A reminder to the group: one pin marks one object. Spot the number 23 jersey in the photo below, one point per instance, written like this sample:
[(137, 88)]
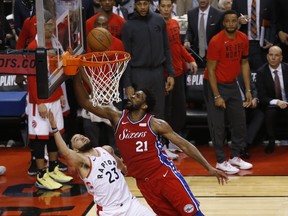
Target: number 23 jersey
[(105, 182), (139, 146)]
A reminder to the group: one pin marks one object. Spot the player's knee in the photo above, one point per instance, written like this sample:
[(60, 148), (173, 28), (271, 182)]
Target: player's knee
[(39, 146), (52, 147)]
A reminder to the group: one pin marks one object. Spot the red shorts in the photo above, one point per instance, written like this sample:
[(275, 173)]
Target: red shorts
[(168, 194)]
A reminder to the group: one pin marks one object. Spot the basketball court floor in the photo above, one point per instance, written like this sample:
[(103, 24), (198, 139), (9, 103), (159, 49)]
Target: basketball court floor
[(262, 190)]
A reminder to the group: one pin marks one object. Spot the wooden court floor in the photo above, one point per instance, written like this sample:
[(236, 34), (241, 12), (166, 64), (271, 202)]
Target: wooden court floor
[(260, 191)]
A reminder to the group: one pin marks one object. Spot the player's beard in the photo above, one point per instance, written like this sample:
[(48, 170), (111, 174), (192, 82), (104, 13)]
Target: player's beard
[(131, 107), (86, 147), (230, 30)]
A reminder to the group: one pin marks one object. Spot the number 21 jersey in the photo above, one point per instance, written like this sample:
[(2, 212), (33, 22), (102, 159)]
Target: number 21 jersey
[(139, 146)]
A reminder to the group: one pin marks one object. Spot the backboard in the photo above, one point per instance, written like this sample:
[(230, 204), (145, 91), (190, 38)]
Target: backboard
[(65, 24)]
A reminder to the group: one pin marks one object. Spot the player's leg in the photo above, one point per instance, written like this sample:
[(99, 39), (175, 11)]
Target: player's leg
[(32, 170), (237, 119), (176, 190), (152, 194), (43, 179), (53, 168), (38, 132)]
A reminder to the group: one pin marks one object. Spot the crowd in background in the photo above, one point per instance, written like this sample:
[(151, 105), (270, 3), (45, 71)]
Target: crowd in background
[(271, 30)]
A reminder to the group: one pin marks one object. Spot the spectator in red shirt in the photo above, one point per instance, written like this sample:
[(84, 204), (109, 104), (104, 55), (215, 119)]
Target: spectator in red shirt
[(117, 44), (227, 55), (115, 21), (27, 33), (175, 101)]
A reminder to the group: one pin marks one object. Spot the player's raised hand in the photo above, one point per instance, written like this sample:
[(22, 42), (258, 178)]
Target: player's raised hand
[(129, 92)]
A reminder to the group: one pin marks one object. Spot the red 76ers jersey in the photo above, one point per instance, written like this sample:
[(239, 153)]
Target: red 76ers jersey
[(139, 146)]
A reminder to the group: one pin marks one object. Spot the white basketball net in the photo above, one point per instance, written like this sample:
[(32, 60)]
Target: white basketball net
[(105, 77)]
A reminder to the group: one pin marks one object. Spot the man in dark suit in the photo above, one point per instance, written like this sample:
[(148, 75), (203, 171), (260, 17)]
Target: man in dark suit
[(212, 23), (273, 101), (265, 17), (281, 6)]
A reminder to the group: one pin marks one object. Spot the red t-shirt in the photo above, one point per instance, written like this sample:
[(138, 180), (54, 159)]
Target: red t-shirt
[(32, 85), (178, 52), (28, 33), (116, 45), (115, 24), (228, 54), (139, 146)]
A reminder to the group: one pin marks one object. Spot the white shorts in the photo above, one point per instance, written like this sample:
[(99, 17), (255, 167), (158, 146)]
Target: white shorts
[(129, 208), (41, 127)]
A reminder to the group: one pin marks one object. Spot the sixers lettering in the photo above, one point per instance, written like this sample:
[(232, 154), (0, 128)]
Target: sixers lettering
[(126, 134), (138, 139)]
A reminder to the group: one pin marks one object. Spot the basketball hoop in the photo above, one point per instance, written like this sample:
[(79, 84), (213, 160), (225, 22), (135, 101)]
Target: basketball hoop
[(103, 70)]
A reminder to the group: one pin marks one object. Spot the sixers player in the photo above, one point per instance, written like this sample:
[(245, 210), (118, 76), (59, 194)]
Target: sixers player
[(100, 169), (138, 139)]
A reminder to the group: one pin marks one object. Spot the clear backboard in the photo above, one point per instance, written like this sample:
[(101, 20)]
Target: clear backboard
[(64, 20)]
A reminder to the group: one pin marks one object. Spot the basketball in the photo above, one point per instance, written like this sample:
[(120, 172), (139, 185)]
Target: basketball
[(99, 39)]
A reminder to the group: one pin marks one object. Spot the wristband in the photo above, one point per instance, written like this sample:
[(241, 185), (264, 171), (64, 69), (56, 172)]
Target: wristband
[(249, 90), (216, 97), (54, 130)]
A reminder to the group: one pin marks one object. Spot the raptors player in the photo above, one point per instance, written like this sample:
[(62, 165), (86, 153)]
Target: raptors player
[(100, 169), (138, 138)]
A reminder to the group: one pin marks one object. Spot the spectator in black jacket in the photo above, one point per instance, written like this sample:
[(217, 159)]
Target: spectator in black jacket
[(281, 6), (212, 21), (145, 37)]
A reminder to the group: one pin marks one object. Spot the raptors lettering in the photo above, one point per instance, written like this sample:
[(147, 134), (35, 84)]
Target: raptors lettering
[(107, 170)]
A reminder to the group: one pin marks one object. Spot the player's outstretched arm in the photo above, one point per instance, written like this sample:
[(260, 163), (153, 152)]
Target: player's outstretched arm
[(84, 101), (72, 157), (163, 128)]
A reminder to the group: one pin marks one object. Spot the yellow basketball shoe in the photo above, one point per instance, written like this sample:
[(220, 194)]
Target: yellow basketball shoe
[(59, 176), (47, 183)]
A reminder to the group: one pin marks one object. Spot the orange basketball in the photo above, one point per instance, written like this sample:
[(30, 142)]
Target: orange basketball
[(99, 39)]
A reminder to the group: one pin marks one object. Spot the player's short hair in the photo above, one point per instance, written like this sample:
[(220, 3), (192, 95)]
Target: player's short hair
[(172, 1), (229, 12), (150, 100)]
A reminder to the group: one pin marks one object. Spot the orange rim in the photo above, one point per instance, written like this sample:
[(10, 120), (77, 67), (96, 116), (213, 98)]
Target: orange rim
[(72, 62)]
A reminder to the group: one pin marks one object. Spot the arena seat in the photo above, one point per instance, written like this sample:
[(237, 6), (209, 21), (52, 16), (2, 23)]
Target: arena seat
[(12, 115), (196, 110)]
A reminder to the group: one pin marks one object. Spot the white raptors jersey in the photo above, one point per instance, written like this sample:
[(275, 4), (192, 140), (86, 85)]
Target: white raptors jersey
[(105, 182)]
